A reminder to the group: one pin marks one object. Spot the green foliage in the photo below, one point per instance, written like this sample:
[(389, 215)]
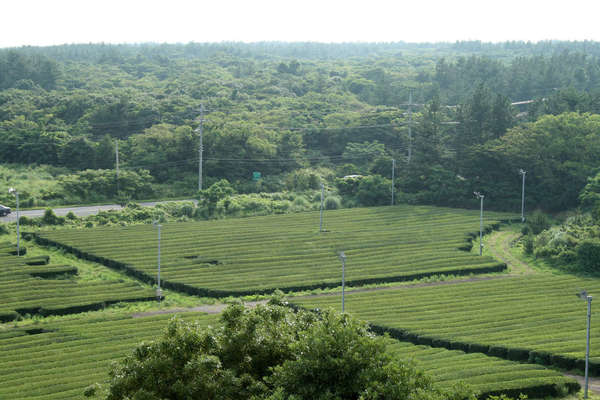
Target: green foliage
[(528, 244), (302, 179), (50, 218), (101, 185), (278, 108), (588, 254), (374, 190), (589, 197), (270, 352), (219, 191), (538, 222), (332, 203)]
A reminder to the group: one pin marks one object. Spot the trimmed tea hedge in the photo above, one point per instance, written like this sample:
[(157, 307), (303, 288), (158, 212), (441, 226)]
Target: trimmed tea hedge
[(57, 360), (260, 254), (536, 319), (29, 286)]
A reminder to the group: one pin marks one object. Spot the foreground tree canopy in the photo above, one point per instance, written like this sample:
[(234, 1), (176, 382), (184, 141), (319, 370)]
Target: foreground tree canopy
[(270, 352)]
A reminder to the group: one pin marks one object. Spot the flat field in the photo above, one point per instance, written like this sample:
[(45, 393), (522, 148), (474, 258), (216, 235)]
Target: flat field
[(537, 318), (260, 254), (59, 359)]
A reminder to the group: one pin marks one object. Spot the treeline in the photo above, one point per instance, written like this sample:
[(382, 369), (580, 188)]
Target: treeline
[(277, 108)]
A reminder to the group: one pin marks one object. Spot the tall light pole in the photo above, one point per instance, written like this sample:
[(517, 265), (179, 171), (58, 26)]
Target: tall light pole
[(480, 196), (393, 176), (343, 258), (200, 146), (158, 291), (15, 192), (321, 216), (584, 296), (523, 172)]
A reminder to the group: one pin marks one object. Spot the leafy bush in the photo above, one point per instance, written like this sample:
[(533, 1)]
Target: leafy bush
[(332, 203), (302, 179), (538, 222), (374, 190), (50, 218), (588, 254), (101, 184), (528, 244)]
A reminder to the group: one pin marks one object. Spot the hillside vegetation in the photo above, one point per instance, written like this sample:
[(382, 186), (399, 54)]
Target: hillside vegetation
[(299, 109)]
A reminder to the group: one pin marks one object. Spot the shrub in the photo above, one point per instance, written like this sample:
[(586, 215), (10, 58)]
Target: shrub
[(374, 190), (332, 203), (528, 244), (538, 222), (50, 218), (588, 254)]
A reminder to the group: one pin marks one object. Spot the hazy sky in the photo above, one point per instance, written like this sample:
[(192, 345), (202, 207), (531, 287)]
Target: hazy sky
[(47, 22)]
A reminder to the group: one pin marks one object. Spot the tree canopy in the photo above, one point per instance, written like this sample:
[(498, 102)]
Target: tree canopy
[(270, 352)]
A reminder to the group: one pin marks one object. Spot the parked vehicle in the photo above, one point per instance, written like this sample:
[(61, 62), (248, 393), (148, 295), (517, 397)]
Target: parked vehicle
[(4, 210)]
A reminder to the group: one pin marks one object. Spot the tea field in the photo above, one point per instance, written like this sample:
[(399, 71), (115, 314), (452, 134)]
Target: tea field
[(31, 286), (537, 318), (261, 254), (59, 359)]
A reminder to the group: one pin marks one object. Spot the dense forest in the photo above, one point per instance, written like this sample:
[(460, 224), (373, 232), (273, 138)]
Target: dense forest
[(455, 117)]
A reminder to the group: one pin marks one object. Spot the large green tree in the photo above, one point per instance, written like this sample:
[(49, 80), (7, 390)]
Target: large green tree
[(274, 353)]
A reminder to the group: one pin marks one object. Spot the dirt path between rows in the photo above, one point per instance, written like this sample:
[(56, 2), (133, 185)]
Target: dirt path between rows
[(208, 309), (499, 244)]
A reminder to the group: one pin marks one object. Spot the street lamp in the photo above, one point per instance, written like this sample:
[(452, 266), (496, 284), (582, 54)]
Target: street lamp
[(343, 258), (15, 192), (523, 172), (321, 214), (158, 291), (584, 296), (480, 196)]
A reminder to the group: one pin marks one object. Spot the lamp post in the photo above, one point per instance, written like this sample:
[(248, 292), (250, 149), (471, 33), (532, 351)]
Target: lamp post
[(158, 291), (15, 192), (393, 176), (523, 173), (480, 196), (321, 213), (343, 258), (584, 296)]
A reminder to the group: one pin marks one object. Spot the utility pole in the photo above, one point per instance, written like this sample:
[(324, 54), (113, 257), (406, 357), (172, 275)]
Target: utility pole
[(523, 172), (393, 175), (321, 217), (15, 193), (117, 162), (480, 196), (200, 146), (343, 258), (410, 104), (158, 291), (587, 347), (584, 296)]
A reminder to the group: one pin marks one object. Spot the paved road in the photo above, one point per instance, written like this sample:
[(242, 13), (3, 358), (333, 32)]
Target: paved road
[(79, 211)]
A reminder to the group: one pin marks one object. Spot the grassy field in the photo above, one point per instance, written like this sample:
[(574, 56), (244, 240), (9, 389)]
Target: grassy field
[(49, 289), (58, 359), (537, 318), (260, 254)]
